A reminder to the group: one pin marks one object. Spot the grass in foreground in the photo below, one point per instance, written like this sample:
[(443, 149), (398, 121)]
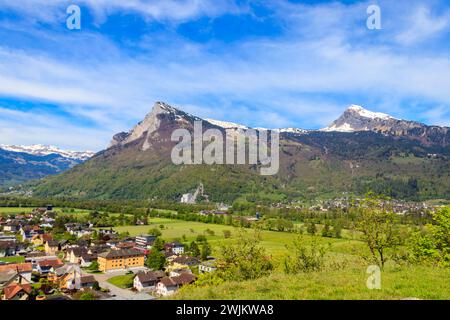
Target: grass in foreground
[(396, 283)]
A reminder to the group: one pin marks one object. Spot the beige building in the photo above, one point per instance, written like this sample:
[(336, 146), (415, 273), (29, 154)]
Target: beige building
[(120, 259)]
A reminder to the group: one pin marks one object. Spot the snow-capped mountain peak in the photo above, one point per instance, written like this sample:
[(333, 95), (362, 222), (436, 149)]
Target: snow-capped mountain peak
[(43, 150), (369, 114), (356, 118), (226, 125)]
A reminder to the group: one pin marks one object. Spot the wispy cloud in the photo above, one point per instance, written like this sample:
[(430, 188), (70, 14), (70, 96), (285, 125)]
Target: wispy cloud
[(323, 60)]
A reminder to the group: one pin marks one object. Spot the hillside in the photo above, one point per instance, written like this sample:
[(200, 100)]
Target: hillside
[(417, 282), (399, 158)]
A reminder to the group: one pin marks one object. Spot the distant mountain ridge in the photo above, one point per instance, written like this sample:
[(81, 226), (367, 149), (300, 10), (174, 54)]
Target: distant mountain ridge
[(19, 164), (44, 150), (400, 158)]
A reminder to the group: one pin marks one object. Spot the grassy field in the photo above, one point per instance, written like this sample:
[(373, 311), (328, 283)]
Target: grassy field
[(15, 259), (124, 282), (344, 277), (274, 242), (59, 211)]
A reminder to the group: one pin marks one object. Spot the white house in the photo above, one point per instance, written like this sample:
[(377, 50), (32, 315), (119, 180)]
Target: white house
[(169, 285), (147, 280)]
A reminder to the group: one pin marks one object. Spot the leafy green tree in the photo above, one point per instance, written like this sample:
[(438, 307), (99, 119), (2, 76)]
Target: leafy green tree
[(433, 243), (244, 259), (158, 244), (326, 232), (337, 230), (94, 266), (194, 250), (156, 260), (302, 258), (311, 228), (378, 227), (205, 250), (155, 232), (226, 234)]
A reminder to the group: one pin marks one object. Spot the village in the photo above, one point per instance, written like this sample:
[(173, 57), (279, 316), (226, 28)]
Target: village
[(35, 264)]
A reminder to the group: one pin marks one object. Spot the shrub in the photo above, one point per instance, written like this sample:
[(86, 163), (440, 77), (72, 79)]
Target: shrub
[(304, 259)]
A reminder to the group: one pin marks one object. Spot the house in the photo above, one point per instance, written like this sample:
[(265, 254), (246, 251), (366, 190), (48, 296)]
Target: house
[(107, 232), (40, 239), (68, 277), (74, 254), (12, 226), (145, 241), (87, 281), (179, 272), (7, 237), (147, 280), (47, 266), (9, 272), (87, 259), (27, 232), (207, 266), (174, 247), (17, 291), (186, 261), (120, 259), (8, 248), (51, 247), (168, 285)]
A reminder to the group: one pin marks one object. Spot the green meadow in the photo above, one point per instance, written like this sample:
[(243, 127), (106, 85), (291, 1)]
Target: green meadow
[(344, 276)]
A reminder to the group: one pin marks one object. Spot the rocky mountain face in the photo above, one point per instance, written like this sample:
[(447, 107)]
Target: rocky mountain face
[(360, 151), (22, 163)]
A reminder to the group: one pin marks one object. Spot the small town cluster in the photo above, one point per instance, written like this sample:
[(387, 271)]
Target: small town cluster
[(37, 266)]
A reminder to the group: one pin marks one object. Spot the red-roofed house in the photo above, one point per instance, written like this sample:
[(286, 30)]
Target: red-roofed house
[(16, 291), (46, 266)]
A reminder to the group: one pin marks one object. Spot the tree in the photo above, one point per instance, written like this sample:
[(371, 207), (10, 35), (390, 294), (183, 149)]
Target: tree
[(337, 230), (205, 250), (326, 232), (226, 234), (194, 249), (96, 286), (155, 232), (433, 243), (244, 259), (304, 259), (378, 228), (158, 244), (94, 266), (311, 228), (156, 260)]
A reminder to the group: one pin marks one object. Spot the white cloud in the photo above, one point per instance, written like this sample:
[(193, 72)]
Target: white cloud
[(161, 10), (278, 82)]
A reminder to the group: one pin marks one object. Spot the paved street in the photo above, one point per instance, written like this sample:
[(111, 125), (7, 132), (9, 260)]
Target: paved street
[(119, 293)]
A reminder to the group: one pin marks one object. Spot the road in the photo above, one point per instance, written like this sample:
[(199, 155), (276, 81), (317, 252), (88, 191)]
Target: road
[(119, 293)]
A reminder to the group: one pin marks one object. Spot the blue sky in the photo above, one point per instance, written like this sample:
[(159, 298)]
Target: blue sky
[(260, 63)]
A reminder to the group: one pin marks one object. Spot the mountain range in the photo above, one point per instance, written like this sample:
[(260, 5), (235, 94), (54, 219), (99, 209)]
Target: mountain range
[(22, 163), (361, 151)]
